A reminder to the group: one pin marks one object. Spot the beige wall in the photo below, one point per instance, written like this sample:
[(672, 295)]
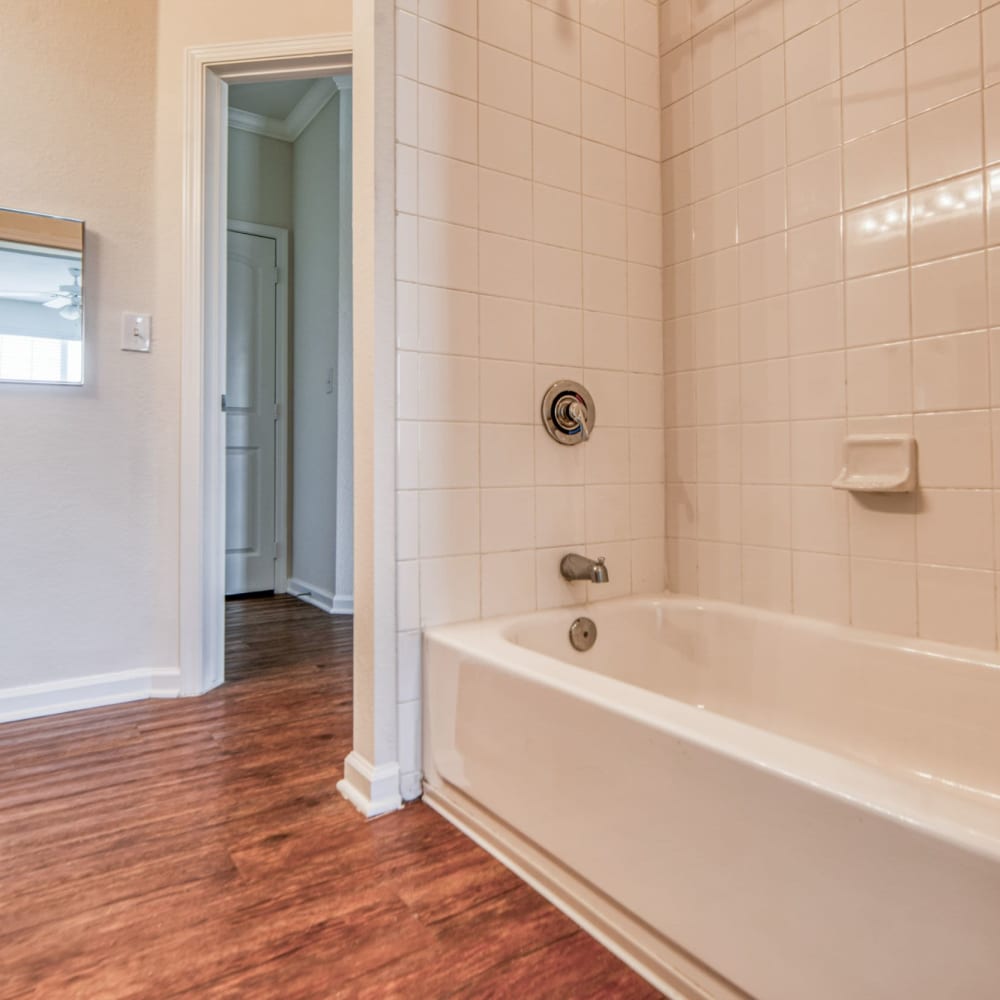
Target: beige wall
[(88, 517), (92, 120), (831, 234)]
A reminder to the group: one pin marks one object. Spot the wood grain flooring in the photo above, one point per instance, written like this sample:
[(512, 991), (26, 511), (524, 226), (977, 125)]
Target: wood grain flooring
[(198, 848)]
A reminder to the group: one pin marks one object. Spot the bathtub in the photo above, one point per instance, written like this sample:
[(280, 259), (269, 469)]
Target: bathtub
[(738, 803)]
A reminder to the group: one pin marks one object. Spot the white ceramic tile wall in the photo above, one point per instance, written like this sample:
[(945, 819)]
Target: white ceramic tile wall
[(529, 249), (831, 185)]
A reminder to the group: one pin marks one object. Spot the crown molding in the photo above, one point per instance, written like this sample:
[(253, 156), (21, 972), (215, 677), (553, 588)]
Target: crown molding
[(311, 104), (247, 121), (299, 118)]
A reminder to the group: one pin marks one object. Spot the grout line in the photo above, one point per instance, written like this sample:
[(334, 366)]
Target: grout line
[(844, 272), (915, 499), (990, 347)]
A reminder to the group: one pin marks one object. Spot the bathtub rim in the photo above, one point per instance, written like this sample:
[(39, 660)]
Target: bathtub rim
[(965, 823)]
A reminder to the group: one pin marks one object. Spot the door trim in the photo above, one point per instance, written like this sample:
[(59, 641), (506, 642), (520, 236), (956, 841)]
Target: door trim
[(209, 72), (282, 424)]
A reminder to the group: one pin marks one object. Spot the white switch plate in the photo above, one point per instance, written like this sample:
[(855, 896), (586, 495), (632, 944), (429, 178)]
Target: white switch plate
[(137, 331)]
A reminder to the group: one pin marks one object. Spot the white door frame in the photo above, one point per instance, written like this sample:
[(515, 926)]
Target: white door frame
[(281, 423), (371, 770)]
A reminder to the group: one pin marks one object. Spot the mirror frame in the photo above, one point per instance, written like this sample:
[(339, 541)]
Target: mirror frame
[(56, 232)]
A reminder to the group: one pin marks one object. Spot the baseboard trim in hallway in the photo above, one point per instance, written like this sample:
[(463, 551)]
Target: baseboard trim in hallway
[(332, 604)]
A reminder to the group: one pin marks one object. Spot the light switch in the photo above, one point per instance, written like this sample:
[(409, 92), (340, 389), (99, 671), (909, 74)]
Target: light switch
[(137, 331)]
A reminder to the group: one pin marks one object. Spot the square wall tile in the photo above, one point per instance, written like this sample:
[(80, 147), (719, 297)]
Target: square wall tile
[(884, 596), (758, 28), (875, 97), (878, 308), (508, 519), (767, 578), (821, 586), (870, 30), (957, 605), (449, 590), (924, 17), (449, 522), (508, 583), (802, 14), (958, 48), (947, 219), (950, 295), (876, 238), (814, 123), (946, 141), (879, 380), (813, 58), (507, 26), (951, 372), (956, 449), (952, 527), (883, 526), (875, 166), (814, 188)]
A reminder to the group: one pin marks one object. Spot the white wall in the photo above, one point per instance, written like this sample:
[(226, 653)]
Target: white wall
[(315, 417), (260, 179), (345, 363)]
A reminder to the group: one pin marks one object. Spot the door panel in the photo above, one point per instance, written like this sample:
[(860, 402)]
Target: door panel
[(243, 482), (250, 399)]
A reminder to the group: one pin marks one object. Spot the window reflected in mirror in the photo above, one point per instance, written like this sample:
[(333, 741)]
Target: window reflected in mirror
[(41, 299)]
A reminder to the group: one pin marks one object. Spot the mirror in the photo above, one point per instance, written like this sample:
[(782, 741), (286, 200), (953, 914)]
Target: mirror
[(41, 299)]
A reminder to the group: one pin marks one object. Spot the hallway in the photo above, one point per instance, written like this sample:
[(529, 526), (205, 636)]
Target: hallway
[(199, 848)]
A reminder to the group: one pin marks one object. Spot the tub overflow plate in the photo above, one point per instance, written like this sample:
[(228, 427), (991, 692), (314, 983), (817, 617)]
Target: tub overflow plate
[(582, 634)]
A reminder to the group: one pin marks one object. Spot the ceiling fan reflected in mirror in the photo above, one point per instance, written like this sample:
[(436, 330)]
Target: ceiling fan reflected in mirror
[(69, 297)]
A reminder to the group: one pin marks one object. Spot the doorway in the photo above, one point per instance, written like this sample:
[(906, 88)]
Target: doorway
[(288, 397)]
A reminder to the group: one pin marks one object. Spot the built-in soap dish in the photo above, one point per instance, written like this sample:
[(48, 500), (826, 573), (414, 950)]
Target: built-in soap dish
[(879, 463)]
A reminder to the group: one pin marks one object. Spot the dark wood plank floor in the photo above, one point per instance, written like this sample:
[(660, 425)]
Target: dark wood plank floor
[(198, 848)]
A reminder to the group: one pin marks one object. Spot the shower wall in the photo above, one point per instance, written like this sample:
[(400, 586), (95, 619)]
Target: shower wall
[(831, 183), (529, 242)]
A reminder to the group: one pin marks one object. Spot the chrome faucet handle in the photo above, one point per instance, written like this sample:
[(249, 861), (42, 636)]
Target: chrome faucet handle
[(576, 412), (568, 412)]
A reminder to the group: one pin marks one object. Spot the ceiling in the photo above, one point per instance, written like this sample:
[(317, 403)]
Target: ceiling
[(270, 100)]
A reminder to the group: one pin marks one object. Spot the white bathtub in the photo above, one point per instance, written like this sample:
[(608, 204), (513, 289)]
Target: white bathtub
[(736, 802)]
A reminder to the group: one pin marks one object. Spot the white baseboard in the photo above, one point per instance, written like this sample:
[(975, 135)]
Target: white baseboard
[(411, 786), (31, 701), (332, 604), (316, 596), (372, 790), (343, 604), (675, 973)]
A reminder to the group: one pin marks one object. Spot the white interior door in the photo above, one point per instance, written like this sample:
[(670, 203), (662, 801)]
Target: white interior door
[(250, 414)]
